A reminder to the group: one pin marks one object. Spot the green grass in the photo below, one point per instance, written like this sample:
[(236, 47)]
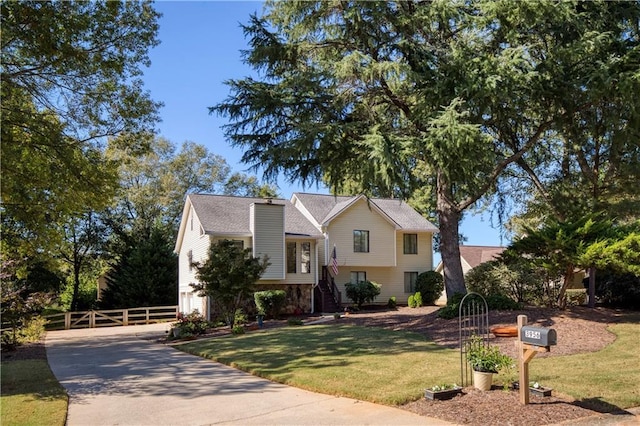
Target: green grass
[(605, 379), (364, 363), (31, 395), (393, 368)]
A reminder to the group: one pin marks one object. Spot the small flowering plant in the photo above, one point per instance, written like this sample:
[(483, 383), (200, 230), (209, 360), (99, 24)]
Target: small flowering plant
[(443, 386)]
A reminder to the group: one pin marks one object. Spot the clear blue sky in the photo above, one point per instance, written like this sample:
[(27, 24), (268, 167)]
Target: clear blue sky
[(200, 49)]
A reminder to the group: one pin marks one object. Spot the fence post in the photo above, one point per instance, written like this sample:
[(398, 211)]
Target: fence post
[(146, 311), (67, 320), (92, 319), (125, 317)]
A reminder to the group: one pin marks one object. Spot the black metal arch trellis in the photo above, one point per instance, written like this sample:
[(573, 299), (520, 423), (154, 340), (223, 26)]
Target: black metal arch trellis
[(473, 319)]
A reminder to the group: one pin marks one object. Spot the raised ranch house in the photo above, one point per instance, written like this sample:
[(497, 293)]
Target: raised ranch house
[(381, 240)]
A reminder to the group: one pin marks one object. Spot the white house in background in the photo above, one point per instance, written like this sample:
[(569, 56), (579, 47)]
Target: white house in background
[(382, 240)]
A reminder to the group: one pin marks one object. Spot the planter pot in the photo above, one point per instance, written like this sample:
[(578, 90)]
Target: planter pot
[(505, 331), (482, 380), (541, 391), (442, 394)]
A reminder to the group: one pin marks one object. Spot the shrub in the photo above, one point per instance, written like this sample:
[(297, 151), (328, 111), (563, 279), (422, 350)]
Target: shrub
[(502, 303), (453, 306), (33, 331), (190, 324), (295, 321), (576, 297), (430, 284), (270, 302), (362, 292), (618, 290), (237, 329), (418, 299), (412, 301), (392, 304)]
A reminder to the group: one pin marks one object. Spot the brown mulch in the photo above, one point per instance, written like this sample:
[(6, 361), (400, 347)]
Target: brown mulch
[(579, 330), (26, 351)]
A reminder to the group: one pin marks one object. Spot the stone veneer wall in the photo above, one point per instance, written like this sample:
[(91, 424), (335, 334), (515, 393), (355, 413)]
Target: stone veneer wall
[(298, 296)]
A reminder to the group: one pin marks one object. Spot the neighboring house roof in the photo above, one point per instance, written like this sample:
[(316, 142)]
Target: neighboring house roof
[(324, 208), (221, 214), (475, 255)]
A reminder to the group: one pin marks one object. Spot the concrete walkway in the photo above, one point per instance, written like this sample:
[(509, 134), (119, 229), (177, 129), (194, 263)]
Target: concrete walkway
[(119, 376)]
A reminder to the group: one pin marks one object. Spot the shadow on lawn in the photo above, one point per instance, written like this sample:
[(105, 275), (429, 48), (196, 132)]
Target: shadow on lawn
[(598, 405)]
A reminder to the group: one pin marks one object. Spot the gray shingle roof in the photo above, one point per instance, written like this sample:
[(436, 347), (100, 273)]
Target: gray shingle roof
[(324, 207), (221, 214)]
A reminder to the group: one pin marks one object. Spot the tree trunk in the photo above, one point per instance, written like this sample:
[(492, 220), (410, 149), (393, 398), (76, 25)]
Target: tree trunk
[(592, 287), (449, 221), (76, 286)]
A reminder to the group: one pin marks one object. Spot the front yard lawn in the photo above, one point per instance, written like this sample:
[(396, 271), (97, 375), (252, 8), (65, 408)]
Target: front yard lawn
[(31, 395), (372, 364), (394, 367)]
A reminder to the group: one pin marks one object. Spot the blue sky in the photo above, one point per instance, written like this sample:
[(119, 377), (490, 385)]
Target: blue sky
[(200, 49)]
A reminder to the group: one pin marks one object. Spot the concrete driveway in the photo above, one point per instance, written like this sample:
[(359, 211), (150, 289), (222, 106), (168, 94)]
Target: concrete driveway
[(120, 376)]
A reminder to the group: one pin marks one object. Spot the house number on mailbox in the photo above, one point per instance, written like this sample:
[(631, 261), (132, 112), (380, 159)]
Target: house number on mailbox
[(532, 334)]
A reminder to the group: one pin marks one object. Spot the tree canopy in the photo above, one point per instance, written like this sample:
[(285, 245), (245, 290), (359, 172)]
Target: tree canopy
[(443, 97), (228, 277), (70, 78)]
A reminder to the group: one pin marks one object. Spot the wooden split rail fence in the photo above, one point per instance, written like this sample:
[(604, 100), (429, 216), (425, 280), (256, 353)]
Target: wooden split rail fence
[(111, 317)]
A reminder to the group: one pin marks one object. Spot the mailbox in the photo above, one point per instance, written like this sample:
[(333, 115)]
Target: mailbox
[(538, 336)]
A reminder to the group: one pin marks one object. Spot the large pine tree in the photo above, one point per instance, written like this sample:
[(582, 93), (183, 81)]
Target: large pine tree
[(391, 97)]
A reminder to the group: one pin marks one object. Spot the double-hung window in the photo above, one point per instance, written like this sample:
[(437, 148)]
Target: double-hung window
[(358, 276), (410, 243), (360, 241), (410, 279)]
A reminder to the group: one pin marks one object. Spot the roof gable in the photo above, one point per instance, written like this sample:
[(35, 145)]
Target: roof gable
[(324, 208), (229, 215), (475, 255)]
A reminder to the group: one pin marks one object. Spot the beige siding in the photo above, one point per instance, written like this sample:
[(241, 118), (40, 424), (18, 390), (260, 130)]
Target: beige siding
[(267, 226), (198, 243), (381, 237), (392, 278)]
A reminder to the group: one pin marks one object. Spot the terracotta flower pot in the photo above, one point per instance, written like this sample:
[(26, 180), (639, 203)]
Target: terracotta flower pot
[(482, 380)]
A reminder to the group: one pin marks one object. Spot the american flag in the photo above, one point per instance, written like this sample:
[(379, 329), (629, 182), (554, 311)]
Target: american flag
[(334, 261)]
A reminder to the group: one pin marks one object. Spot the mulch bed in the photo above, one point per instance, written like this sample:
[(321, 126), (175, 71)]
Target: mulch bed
[(580, 330)]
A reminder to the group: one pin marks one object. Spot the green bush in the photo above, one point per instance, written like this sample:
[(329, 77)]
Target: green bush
[(392, 304), (295, 321), (418, 299), (576, 297), (412, 301), (237, 329), (620, 290), (191, 324), (362, 292), (451, 310), (270, 302), (33, 331), (430, 284), (502, 302)]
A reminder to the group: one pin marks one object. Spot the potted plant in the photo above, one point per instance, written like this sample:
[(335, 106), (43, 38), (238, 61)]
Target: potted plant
[(485, 360), (443, 391)]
